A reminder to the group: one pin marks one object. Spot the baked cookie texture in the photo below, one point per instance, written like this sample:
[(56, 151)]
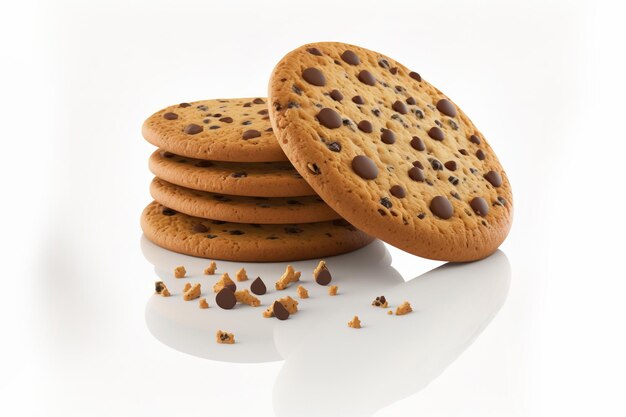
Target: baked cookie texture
[(389, 152), (241, 209), (264, 179), (248, 242), (236, 130)]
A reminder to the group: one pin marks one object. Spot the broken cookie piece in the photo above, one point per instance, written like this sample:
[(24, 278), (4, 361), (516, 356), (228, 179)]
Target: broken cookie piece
[(180, 272), (289, 276), (161, 289), (404, 308), (380, 302), (321, 274), (332, 290), (244, 297), (289, 303), (202, 303), (241, 275), (355, 323), (210, 270), (224, 281), (192, 292), (224, 338), (302, 292)]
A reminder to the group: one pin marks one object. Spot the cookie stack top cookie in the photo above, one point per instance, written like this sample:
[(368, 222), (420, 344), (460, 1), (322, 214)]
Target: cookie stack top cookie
[(389, 152)]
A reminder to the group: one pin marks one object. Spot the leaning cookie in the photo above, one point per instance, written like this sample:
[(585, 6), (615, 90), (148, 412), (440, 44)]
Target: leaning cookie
[(236, 130), (248, 242), (389, 152)]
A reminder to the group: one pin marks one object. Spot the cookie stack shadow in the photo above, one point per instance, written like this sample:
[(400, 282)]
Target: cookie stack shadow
[(223, 189)]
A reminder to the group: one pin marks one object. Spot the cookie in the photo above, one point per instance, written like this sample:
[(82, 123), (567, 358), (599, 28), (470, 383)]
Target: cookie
[(389, 152), (240, 209), (255, 179), (236, 130), (248, 242)]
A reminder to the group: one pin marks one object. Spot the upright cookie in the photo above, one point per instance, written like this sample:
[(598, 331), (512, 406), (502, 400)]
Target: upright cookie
[(389, 152), (236, 130), (248, 242), (254, 179), (239, 209)]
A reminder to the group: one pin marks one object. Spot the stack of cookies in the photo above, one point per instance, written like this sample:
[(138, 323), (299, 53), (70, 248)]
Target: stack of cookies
[(348, 138), (224, 188)]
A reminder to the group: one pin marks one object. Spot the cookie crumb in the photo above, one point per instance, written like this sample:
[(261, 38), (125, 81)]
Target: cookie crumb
[(224, 281), (161, 289), (202, 303), (390, 312), (224, 338), (355, 323), (302, 292), (244, 296), (289, 276), (380, 302), (241, 275), (186, 287), (289, 303), (180, 272), (321, 274), (332, 290), (404, 308), (321, 265), (192, 293), (210, 270)]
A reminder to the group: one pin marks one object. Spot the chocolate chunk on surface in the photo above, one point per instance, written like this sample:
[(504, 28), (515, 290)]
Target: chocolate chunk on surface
[(225, 298)]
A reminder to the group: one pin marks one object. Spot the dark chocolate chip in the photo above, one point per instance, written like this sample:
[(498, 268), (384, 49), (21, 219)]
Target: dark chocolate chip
[(202, 107), (387, 136), (366, 77), (358, 100), (280, 312), (453, 180), (264, 111), (393, 70), (376, 112), (437, 166), (417, 144), (159, 287), (250, 134), (455, 195), (314, 76), (200, 228), (480, 155), (475, 139), (494, 178), (183, 105), (418, 164), (329, 118), (446, 107), (211, 236), (258, 286), (441, 207), (170, 116), (226, 119), (336, 95), (168, 211), (365, 126), (323, 277), (193, 129), (350, 57), (364, 167), (258, 101), (436, 133), (292, 230), (296, 89), (416, 174), (410, 101), (314, 51), (225, 298), (415, 76), (204, 164), (400, 107), (397, 191), (480, 206), (236, 232), (383, 63), (386, 202), (463, 152), (451, 165), (334, 146)]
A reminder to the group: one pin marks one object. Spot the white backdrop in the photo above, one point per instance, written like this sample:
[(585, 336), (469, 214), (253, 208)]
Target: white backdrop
[(543, 80)]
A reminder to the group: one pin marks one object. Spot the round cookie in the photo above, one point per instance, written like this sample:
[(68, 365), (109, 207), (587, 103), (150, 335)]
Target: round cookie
[(248, 242), (253, 179), (389, 152), (236, 130), (240, 209)]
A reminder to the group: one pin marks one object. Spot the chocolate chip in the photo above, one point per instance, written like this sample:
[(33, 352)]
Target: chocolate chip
[(415, 76), (323, 277), (494, 178), (334, 146), (159, 286), (388, 137), (417, 144), (421, 216), (463, 152), (193, 129), (400, 107), (204, 164), (258, 101), (364, 167), (455, 195), (475, 139), (336, 95), (436, 133), (365, 126), (410, 101), (416, 174), (441, 207), (501, 201), (296, 89), (437, 166), (246, 123), (314, 76), (366, 77), (376, 112), (239, 174), (250, 134), (292, 230), (453, 124), (451, 165), (350, 57), (329, 118), (386, 202), (480, 155), (226, 119), (168, 211), (183, 105), (418, 164), (397, 191), (358, 100), (258, 286), (280, 312), (446, 107), (418, 113), (313, 168), (200, 228), (314, 51), (170, 116), (202, 107), (236, 232), (480, 206), (264, 111), (214, 127), (225, 298), (453, 180), (211, 236)]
